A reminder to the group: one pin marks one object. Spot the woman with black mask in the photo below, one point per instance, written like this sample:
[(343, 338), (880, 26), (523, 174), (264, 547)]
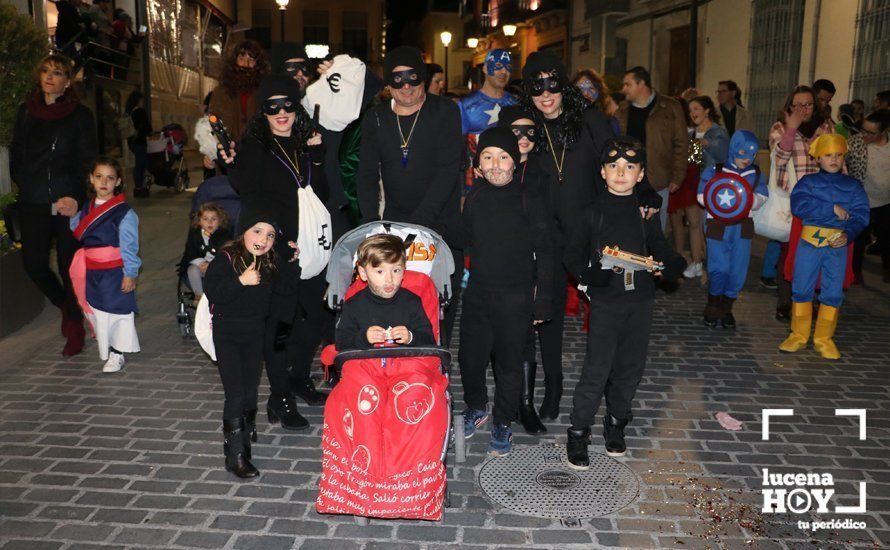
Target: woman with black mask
[(53, 144), (572, 140), (280, 153)]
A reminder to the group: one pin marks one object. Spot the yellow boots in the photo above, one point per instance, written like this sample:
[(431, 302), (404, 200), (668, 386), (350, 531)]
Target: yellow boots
[(802, 320), (826, 323)]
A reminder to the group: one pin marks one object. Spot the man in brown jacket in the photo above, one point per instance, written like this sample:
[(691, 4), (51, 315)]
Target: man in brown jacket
[(659, 122)]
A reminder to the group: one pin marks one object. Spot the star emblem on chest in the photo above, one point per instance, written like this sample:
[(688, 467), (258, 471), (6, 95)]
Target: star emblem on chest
[(493, 114)]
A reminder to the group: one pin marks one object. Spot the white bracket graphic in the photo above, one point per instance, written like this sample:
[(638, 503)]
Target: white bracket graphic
[(765, 422), (854, 509), (854, 412)]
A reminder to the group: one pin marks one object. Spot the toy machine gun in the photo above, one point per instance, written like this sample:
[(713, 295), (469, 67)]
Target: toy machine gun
[(616, 258)]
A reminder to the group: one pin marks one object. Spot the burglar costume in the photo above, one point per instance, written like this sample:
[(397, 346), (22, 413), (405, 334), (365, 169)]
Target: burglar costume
[(620, 306), (813, 200), (729, 242)]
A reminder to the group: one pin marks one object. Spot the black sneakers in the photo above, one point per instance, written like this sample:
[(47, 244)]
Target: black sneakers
[(613, 433), (576, 448)]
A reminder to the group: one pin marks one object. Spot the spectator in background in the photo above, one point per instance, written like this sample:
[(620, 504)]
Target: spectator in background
[(799, 124), (824, 91), (138, 143), (435, 79), (858, 111), (881, 101), (69, 27), (734, 115), (659, 122), (846, 121), (596, 92), (869, 162)]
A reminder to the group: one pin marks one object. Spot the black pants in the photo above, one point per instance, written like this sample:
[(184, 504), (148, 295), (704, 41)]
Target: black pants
[(239, 354), (140, 161), (494, 324), (617, 344), (456, 288), (40, 231), (550, 333), (311, 322)]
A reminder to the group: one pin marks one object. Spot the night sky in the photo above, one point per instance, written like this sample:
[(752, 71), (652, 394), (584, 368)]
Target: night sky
[(402, 14)]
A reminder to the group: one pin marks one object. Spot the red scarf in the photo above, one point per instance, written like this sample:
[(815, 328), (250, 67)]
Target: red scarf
[(64, 105)]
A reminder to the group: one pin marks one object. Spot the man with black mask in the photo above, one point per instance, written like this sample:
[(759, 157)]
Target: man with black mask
[(414, 144), (289, 58)]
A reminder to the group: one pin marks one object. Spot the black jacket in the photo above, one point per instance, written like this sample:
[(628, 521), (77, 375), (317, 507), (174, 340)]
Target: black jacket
[(365, 310), (582, 181), (426, 190), (195, 247), (50, 159), (616, 221), (259, 174)]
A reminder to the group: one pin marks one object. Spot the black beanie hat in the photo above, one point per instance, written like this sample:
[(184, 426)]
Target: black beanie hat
[(544, 62), (409, 56), (256, 211), (282, 51), (502, 138), (277, 84), (510, 114)]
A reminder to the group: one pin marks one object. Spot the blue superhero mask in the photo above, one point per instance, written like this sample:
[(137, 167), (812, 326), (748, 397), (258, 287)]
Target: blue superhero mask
[(498, 59), (743, 145)]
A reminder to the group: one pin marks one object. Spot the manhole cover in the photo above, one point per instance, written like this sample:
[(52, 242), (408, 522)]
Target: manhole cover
[(537, 481)]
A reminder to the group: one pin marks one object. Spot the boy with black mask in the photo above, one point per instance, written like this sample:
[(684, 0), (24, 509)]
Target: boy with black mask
[(621, 298)]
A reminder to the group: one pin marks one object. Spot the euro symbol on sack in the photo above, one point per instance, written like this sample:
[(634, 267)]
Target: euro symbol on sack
[(323, 240), (334, 82)]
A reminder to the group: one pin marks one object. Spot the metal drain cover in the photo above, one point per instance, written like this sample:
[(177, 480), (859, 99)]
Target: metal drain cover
[(537, 481)]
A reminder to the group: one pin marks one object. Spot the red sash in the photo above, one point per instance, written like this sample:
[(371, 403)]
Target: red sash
[(95, 213)]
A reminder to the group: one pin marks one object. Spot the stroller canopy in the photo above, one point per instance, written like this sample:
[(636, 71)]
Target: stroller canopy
[(426, 251)]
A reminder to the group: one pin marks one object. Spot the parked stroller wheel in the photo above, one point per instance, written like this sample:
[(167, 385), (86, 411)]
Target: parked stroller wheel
[(185, 330), (182, 182)]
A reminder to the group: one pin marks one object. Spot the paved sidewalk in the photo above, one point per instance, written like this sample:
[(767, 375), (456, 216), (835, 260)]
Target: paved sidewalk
[(135, 459)]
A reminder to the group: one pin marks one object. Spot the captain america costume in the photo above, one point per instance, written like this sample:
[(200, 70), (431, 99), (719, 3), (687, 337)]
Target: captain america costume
[(478, 111)]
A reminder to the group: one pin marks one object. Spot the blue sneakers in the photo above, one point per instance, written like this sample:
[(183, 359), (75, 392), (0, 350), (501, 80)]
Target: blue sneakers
[(501, 440), (473, 418)]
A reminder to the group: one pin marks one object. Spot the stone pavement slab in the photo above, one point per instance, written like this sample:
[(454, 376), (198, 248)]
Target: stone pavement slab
[(134, 459)]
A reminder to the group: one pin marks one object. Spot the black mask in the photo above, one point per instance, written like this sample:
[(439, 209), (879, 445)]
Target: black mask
[(526, 130), (397, 79), (546, 84), (271, 107), (293, 67)]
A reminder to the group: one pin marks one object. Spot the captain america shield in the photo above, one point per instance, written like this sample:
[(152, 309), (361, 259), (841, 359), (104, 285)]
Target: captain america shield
[(728, 197)]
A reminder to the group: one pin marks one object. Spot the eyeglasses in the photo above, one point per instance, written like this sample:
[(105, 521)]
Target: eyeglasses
[(803, 105)]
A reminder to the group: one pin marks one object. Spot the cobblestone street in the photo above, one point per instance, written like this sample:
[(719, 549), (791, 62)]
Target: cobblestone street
[(135, 459)]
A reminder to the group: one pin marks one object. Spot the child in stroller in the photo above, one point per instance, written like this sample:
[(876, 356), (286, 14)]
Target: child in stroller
[(166, 163), (217, 191), (387, 421), (208, 234)]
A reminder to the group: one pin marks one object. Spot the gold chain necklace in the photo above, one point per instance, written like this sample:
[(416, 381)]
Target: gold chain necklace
[(562, 160), (404, 145), (294, 163)]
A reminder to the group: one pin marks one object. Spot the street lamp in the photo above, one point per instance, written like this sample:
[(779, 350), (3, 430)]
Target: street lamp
[(509, 30), (282, 6), (472, 43), (445, 36)]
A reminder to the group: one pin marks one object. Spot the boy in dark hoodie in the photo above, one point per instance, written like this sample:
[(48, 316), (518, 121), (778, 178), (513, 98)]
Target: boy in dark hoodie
[(621, 299), (507, 227)]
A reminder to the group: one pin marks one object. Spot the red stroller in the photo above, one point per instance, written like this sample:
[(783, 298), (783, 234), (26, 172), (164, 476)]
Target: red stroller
[(387, 422), (166, 161)]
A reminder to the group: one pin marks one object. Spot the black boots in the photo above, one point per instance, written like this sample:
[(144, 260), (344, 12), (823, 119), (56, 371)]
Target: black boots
[(283, 408), (305, 390), (552, 394), (527, 415), (576, 448), (727, 319), (712, 310), (613, 433), (237, 447), (250, 428)]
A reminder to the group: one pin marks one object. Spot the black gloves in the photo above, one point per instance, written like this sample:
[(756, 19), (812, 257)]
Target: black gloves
[(317, 153), (595, 275)]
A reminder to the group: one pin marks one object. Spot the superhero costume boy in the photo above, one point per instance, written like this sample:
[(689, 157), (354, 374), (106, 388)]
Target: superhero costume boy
[(833, 210)]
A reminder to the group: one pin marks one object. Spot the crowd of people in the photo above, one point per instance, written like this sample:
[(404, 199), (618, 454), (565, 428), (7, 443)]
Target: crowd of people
[(537, 192)]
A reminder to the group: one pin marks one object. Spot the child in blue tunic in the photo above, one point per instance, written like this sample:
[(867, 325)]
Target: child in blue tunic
[(105, 269), (833, 208)]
